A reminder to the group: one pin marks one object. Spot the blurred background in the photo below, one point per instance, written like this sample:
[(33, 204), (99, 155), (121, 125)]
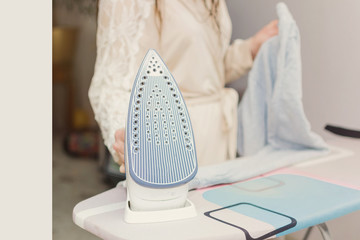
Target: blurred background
[(82, 167), (330, 36)]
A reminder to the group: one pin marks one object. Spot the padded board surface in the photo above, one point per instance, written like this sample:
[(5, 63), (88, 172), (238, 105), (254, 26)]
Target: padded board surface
[(287, 202), (327, 188)]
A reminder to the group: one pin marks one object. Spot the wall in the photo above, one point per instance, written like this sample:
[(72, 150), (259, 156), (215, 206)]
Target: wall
[(330, 37)]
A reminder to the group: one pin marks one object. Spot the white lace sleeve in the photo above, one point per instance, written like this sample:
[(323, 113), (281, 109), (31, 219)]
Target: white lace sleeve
[(120, 27)]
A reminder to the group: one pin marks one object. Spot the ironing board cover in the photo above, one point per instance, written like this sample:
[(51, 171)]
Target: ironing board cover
[(273, 205)]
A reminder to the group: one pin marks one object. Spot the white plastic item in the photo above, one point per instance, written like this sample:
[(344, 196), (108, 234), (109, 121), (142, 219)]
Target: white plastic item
[(150, 199), (188, 211)]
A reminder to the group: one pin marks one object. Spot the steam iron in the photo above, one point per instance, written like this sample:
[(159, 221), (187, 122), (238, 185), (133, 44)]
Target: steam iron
[(160, 155)]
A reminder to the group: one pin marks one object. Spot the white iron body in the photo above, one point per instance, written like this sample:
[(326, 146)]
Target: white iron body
[(154, 199), (146, 205)]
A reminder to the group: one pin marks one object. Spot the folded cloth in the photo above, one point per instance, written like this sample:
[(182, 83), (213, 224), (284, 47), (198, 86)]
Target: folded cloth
[(273, 131)]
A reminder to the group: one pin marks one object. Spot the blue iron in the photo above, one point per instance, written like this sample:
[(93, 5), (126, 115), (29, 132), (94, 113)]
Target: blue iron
[(160, 155)]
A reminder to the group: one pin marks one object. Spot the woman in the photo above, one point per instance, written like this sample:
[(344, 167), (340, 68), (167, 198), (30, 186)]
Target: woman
[(193, 38)]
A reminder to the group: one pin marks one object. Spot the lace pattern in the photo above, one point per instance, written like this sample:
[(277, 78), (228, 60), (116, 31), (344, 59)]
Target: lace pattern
[(120, 26)]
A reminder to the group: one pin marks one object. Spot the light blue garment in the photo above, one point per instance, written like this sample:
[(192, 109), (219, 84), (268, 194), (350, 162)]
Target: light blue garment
[(271, 111), (273, 131)]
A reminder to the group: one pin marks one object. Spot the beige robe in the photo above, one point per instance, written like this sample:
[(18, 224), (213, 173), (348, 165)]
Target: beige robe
[(197, 54)]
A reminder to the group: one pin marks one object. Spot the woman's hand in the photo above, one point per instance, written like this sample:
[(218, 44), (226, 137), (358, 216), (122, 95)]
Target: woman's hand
[(119, 147), (264, 34)]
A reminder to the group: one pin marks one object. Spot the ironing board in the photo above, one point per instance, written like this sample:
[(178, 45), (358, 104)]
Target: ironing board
[(271, 205)]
